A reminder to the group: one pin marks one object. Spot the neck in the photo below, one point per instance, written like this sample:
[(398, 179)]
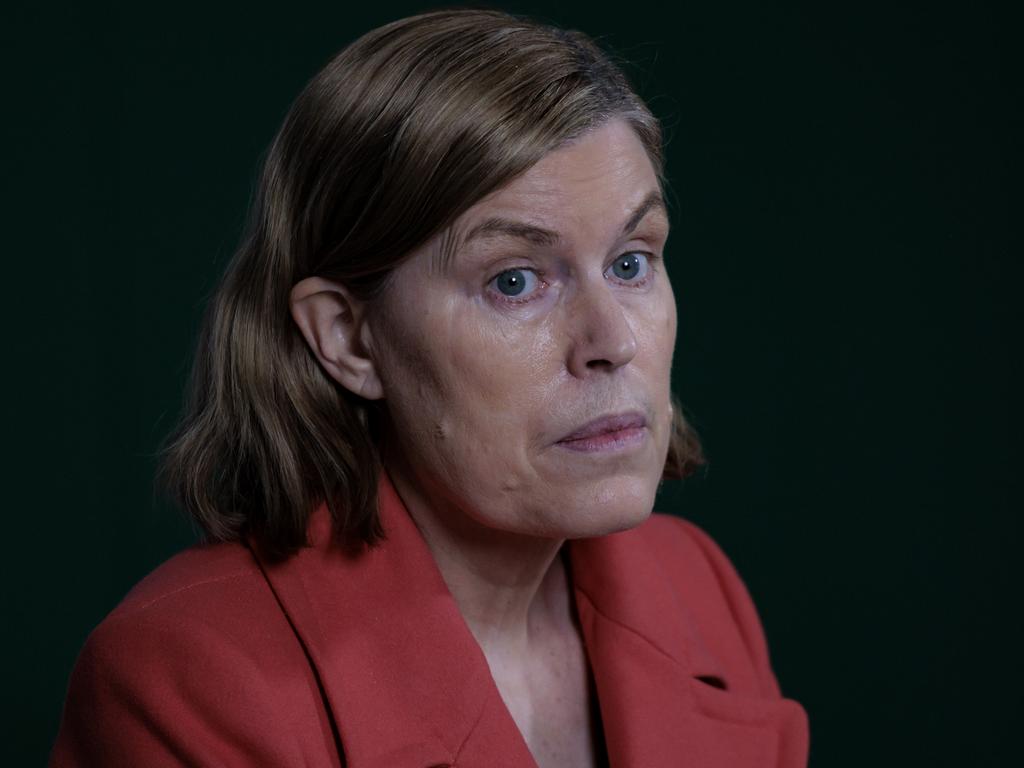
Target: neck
[(511, 589)]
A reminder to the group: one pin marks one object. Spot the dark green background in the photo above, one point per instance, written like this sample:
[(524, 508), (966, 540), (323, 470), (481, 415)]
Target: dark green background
[(847, 257)]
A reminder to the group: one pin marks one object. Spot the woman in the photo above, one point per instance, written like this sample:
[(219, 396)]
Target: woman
[(429, 415)]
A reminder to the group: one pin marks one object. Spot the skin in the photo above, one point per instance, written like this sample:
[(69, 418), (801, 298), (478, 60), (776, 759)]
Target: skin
[(481, 388)]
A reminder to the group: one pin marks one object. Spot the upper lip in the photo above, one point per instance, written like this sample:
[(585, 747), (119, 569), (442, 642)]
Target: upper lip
[(604, 424)]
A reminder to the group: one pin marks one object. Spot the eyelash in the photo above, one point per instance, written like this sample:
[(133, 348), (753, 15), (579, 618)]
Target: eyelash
[(652, 260)]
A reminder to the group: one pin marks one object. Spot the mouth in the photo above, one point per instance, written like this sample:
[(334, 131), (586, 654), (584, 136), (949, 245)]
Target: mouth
[(607, 433)]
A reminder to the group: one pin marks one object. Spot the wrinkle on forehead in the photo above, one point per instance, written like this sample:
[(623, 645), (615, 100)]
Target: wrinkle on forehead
[(571, 170)]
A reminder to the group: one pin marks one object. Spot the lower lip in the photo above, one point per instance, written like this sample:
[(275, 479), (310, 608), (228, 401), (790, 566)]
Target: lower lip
[(619, 440)]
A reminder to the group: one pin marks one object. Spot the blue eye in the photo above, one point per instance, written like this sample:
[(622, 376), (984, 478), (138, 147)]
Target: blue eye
[(515, 283), (631, 267)]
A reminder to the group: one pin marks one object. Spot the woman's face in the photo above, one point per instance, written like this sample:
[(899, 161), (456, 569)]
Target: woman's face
[(550, 317)]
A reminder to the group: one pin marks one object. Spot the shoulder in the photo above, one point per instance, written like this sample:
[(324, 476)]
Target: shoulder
[(206, 598), (191, 581), (709, 585), (180, 671), (688, 551), (203, 598)]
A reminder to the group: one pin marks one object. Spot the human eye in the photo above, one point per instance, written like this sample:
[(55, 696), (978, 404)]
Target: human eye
[(633, 267), (516, 285)]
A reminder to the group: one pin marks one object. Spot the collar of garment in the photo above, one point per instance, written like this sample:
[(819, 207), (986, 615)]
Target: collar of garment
[(408, 685)]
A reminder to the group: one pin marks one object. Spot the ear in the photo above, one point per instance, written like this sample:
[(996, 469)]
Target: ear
[(333, 322)]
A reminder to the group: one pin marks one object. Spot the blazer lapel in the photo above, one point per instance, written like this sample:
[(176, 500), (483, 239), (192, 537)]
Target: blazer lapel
[(405, 680), (656, 681)]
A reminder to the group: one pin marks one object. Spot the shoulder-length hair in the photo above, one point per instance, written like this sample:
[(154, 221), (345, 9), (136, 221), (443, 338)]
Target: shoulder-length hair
[(386, 146)]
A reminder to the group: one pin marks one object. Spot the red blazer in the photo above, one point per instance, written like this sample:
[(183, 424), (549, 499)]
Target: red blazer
[(219, 658)]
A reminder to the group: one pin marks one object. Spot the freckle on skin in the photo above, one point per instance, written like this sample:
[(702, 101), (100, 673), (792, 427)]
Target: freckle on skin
[(439, 431)]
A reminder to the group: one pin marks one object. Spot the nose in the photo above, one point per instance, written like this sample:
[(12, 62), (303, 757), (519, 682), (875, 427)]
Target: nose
[(602, 337)]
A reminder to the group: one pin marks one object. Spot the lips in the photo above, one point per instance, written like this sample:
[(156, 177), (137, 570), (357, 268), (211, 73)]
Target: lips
[(607, 424)]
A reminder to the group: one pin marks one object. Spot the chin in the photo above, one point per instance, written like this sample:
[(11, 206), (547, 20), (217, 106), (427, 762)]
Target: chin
[(617, 504)]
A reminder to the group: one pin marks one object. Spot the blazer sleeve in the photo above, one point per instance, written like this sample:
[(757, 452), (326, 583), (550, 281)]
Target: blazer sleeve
[(741, 607), (147, 691)]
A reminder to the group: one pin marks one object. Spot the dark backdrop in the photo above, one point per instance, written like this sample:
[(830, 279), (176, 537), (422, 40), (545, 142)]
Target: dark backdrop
[(847, 257)]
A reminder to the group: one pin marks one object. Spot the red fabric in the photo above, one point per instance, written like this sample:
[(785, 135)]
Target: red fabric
[(219, 658)]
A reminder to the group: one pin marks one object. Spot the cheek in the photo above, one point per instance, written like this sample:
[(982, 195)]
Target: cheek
[(668, 314), (503, 380), (505, 371), (460, 390), (656, 342), (656, 334), (414, 391)]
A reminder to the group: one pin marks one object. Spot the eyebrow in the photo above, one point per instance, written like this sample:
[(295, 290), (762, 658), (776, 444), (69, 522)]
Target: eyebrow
[(499, 227), (649, 203)]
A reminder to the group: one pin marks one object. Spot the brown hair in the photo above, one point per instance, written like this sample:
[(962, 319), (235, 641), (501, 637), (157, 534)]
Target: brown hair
[(399, 134)]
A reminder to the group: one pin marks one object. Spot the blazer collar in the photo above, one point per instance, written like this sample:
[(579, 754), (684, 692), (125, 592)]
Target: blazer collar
[(407, 683)]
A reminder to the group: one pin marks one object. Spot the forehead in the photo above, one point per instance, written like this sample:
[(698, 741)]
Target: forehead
[(585, 189)]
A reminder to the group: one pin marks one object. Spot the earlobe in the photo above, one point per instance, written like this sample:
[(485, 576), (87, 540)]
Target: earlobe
[(332, 321)]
